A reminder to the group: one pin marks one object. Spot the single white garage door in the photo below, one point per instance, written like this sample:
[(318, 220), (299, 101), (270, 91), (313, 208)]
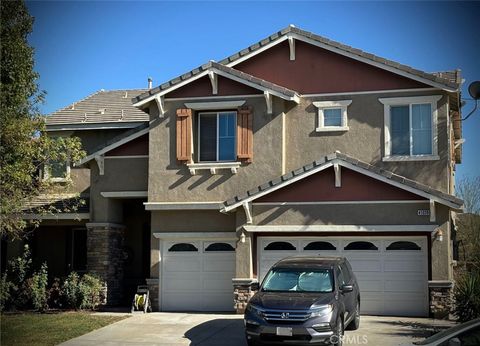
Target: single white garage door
[(197, 275), (392, 272)]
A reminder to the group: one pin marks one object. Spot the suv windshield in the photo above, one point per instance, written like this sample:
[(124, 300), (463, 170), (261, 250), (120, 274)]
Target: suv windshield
[(298, 280)]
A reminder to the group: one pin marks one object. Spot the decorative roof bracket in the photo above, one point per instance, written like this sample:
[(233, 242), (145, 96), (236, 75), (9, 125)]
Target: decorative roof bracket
[(161, 105)]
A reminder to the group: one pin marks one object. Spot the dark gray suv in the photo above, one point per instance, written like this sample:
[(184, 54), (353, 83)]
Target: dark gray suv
[(304, 300)]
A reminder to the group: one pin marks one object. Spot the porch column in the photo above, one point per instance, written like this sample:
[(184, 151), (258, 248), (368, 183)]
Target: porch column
[(105, 257), (242, 283)]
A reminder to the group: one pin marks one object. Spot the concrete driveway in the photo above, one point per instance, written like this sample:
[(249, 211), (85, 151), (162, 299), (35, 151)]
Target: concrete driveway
[(224, 329)]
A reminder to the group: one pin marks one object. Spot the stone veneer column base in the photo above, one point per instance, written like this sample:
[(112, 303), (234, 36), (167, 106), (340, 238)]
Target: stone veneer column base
[(105, 257), (242, 292), (153, 288), (441, 298)]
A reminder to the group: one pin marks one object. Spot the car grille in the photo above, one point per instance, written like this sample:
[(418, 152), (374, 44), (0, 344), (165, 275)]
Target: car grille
[(286, 315)]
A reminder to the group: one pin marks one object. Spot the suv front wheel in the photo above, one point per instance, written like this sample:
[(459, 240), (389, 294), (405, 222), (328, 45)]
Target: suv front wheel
[(337, 338), (355, 323)]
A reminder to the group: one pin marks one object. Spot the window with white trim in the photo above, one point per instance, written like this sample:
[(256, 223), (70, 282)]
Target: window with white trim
[(57, 171), (410, 128), (332, 115), (217, 136)]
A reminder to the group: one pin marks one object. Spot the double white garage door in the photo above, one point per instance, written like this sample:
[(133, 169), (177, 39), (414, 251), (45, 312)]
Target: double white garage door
[(392, 273)]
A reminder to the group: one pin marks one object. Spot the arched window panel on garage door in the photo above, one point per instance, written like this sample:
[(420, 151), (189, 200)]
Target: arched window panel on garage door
[(404, 245), (219, 247), (183, 247), (361, 245), (319, 246), (279, 246)]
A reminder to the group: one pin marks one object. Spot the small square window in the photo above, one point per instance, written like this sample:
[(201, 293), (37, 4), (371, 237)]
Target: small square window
[(332, 115), (57, 171), (217, 136)]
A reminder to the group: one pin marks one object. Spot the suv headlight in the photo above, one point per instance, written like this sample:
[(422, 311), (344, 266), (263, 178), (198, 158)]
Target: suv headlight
[(255, 310), (320, 310)]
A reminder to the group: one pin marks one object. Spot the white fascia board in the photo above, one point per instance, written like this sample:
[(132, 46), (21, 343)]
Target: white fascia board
[(276, 187), (182, 205), (93, 126), (112, 146), (344, 53), (170, 89), (201, 106), (341, 228), (280, 204), (349, 166), (196, 235), (57, 216), (398, 184), (294, 98), (124, 194)]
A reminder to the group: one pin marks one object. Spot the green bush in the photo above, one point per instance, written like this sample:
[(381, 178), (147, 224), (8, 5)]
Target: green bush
[(38, 288), (71, 291), (15, 292), (467, 297), (55, 295), (91, 288), (5, 288)]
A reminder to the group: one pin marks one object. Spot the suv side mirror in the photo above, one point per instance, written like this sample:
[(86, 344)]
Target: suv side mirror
[(346, 288), (255, 286), (454, 342)]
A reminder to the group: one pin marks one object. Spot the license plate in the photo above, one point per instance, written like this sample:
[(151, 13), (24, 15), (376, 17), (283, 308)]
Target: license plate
[(284, 331)]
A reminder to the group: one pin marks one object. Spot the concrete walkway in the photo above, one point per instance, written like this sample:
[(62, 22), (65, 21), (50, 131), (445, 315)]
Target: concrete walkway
[(224, 329)]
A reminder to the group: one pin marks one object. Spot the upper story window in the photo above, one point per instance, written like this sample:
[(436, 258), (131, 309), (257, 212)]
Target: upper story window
[(410, 128), (217, 136), (58, 171), (332, 115)]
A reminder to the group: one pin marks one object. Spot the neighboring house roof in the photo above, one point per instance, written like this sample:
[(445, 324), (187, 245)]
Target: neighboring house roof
[(115, 142), (439, 78), (224, 71), (350, 163), (446, 80), (57, 207), (113, 107)]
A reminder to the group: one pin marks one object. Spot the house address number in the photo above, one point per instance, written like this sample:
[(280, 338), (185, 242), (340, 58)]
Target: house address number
[(423, 212)]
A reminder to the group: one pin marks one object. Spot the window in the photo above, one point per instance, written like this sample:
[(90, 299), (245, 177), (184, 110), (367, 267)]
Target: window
[(360, 245), (319, 245), (182, 247), (298, 280), (346, 273), (219, 247), (332, 115), (410, 128), (57, 171), (217, 136), (403, 245), (280, 245)]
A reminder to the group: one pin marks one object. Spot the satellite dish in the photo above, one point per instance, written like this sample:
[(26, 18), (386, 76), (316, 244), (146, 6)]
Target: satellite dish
[(474, 90)]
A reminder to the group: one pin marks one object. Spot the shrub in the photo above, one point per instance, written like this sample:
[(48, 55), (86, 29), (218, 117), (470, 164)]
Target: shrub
[(55, 295), (71, 291), (38, 288), (5, 287), (467, 297), (17, 271), (91, 288)]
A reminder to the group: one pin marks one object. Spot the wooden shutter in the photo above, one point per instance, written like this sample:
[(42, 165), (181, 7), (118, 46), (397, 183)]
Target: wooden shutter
[(184, 134), (245, 133)]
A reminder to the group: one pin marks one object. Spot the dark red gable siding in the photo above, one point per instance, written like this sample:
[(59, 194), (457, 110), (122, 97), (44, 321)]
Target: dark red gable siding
[(320, 187), (137, 146), (317, 70), (203, 87)]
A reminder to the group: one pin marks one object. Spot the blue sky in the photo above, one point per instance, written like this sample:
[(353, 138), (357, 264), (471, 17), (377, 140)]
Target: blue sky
[(82, 47)]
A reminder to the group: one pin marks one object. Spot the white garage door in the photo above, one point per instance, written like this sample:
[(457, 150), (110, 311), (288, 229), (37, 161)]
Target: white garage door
[(392, 272), (197, 275)]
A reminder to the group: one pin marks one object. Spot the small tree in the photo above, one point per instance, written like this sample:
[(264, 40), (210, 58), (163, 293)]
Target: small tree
[(24, 148)]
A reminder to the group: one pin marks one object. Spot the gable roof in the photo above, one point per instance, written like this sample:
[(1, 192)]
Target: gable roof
[(223, 70), (113, 107), (437, 79), (445, 80), (115, 142), (350, 163)]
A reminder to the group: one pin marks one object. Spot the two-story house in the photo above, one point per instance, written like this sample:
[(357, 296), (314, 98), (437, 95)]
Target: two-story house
[(296, 145)]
